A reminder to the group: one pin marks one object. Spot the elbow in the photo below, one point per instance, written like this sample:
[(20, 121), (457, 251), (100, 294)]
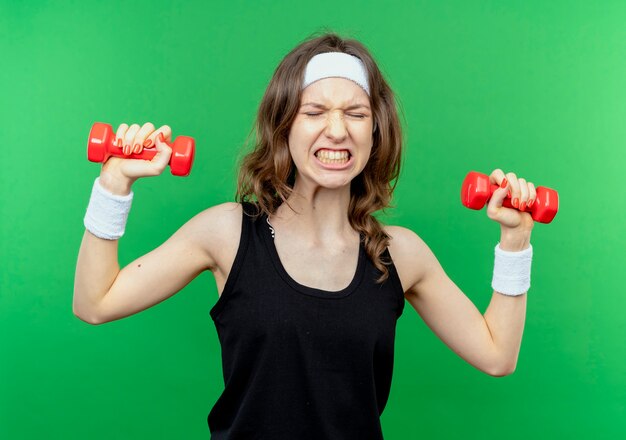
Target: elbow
[(85, 310), (86, 317), (502, 371)]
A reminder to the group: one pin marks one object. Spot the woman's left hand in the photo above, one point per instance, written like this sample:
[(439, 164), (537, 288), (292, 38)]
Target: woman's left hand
[(522, 194)]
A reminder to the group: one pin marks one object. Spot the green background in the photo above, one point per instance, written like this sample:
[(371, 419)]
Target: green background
[(532, 87)]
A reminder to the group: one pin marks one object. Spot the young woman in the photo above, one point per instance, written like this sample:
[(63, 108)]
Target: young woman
[(310, 284)]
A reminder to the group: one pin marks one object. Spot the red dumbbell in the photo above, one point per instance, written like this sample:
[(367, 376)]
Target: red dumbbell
[(477, 191), (100, 147)]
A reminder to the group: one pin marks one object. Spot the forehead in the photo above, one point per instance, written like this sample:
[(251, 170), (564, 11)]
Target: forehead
[(335, 91)]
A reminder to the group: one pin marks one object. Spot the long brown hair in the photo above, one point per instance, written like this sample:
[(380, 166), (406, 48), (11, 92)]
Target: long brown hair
[(268, 172)]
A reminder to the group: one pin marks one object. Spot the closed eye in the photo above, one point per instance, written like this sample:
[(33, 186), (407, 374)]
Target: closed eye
[(353, 115)]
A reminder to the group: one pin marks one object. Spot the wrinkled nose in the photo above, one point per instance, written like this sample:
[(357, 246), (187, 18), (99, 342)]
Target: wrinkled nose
[(336, 127)]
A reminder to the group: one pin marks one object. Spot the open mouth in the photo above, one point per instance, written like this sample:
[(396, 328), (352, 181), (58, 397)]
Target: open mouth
[(333, 157)]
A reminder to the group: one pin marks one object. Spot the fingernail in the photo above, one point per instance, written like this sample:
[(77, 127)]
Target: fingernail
[(118, 143), (515, 202), (147, 143), (126, 150), (136, 149), (523, 206), (530, 203), (161, 137), (503, 184)]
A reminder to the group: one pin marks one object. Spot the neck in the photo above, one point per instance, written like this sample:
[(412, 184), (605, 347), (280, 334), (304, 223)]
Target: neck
[(318, 215)]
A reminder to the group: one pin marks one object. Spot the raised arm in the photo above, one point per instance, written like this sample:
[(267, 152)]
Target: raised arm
[(490, 342), (447, 311), (103, 292)]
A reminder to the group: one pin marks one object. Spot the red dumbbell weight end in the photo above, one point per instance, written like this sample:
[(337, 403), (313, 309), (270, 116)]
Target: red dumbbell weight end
[(477, 191), (100, 147)]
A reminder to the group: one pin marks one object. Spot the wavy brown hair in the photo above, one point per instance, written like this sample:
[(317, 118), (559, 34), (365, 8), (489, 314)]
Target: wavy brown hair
[(267, 173)]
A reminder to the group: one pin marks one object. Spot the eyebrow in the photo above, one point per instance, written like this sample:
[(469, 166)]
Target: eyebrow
[(352, 107)]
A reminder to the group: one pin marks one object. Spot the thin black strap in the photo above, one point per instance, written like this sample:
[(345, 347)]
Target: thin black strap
[(251, 209)]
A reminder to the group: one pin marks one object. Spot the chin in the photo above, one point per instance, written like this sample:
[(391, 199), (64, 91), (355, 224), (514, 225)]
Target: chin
[(334, 182)]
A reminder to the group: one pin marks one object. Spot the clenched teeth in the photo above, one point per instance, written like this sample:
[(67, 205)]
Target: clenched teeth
[(331, 156)]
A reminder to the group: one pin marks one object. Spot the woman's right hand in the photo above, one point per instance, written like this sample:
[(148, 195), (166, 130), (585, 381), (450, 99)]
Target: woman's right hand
[(118, 174)]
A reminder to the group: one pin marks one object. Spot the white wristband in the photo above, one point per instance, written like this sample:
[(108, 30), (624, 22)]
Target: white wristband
[(511, 271), (107, 212)]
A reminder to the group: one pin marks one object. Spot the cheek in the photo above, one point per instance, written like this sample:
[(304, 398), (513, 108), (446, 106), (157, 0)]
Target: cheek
[(369, 152), (302, 137), (297, 147), (366, 143)]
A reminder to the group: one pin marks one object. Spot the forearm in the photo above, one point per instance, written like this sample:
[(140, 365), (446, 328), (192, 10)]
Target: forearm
[(96, 270), (97, 266), (505, 318), (506, 315)]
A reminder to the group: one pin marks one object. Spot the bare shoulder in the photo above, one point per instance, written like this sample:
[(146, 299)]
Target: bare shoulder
[(217, 230), (411, 256), (222, 215)]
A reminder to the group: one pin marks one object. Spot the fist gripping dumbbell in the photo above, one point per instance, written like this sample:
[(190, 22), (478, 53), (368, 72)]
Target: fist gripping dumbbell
[(100, 147), (477, 191)]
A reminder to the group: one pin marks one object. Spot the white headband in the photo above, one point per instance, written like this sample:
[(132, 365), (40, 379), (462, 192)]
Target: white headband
[(336, 64)]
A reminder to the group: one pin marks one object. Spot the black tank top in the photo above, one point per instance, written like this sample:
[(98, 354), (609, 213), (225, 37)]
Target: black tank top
[(299, 362)]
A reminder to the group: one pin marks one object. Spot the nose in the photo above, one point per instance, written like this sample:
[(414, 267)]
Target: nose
[(336, 126)]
